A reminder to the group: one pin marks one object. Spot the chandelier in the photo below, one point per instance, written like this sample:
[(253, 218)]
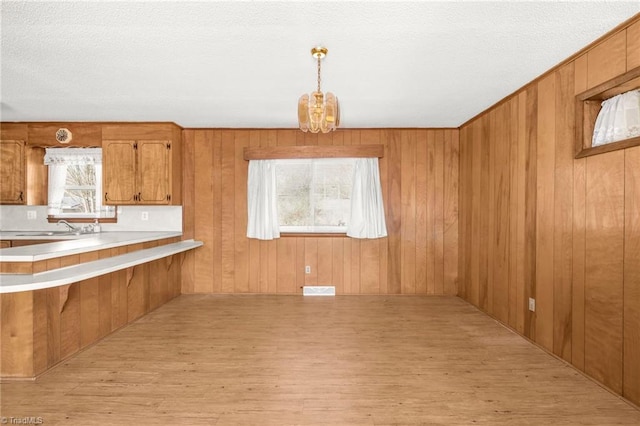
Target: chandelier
[(318, 112)]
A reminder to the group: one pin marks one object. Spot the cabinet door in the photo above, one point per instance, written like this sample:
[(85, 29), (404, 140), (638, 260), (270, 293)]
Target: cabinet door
[(12, 172), (118, 172), (154, 172)]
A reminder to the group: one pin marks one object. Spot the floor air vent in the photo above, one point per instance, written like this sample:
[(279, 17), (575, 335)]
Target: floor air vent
[(319, 290)]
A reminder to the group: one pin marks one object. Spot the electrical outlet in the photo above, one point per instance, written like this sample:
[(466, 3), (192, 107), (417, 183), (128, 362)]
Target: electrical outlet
[(144, 216), (532, 304), (31, 215), (307, 269)]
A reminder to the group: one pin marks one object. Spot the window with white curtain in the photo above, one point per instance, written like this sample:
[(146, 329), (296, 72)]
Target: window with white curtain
[(618, 119), (329, 195), (75, 182)]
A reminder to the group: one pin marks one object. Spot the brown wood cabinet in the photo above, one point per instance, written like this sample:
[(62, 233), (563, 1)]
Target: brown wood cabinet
[(12, 172), (137, 171)]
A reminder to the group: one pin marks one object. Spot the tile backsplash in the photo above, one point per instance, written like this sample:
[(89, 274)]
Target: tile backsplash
[(130, 218)]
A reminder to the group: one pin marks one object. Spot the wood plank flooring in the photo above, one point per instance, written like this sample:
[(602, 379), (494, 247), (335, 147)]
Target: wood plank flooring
[(352, 360)]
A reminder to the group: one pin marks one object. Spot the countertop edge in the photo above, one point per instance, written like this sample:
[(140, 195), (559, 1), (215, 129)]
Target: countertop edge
[(13, 283)]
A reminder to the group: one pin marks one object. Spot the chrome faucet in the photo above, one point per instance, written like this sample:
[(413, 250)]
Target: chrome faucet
[(70, 226)]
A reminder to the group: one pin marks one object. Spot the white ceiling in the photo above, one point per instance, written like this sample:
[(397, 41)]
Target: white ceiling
[(245, 64)]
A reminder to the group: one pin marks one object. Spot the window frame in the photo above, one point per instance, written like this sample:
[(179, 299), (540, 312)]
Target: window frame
[(97, 188), (587, 106), (313, 151), (105, 214)]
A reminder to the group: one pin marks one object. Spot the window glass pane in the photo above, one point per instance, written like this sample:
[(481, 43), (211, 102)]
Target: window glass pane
[(75, 184), (293, 181), (75, 191), (80, 190), (332, 193), (314, 195)]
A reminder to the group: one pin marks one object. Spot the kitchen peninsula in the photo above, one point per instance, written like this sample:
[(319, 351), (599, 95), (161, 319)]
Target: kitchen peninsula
[(60, 297)]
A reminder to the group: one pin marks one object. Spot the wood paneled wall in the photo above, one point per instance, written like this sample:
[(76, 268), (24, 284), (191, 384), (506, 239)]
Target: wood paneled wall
[(419, 173), (535, 222)]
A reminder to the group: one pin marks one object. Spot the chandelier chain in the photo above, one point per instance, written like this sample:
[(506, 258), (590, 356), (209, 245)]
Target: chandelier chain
[(319, 74)]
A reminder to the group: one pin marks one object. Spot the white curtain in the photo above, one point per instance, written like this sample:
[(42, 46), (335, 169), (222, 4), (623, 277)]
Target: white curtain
[(72, 156), (58, 159), (262, 206), (57, 180), (367, 210), (618, 119)]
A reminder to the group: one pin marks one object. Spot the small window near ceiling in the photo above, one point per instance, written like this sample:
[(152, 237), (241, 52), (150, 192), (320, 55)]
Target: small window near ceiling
[(618, 119), (75, 183), (314, 195)]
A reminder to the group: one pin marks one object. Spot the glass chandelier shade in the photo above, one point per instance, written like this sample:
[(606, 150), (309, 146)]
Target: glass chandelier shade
[(318, 112)]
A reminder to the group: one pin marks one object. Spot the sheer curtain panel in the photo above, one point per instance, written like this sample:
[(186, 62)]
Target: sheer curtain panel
[(618, 119), (57, 180), (367, 210), (262, 206)]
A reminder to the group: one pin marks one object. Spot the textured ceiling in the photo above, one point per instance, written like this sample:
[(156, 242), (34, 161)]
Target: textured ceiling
[(245, 64)]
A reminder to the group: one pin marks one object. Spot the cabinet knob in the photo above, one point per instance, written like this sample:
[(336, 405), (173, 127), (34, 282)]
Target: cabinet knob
[(21, 196)]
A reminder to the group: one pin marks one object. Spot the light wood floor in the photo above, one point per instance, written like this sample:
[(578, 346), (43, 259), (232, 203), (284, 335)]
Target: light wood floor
[(352, 360)]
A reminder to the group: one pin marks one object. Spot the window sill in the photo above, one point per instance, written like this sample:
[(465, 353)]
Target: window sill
[(55, 219), (613, 146), (313, 234)]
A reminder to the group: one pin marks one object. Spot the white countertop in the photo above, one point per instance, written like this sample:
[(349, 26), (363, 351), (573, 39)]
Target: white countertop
[(72, 244)]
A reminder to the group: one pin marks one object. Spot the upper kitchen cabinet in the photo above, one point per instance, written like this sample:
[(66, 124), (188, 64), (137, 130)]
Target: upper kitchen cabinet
[(12, 172), (141, 164), (119, 172), (137, 172)]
